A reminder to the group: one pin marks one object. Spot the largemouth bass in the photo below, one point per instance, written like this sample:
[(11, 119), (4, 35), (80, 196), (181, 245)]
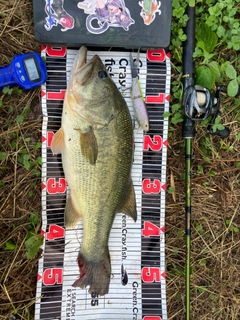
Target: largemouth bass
[(96, 143)]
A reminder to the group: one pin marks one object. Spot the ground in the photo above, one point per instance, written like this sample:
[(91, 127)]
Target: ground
[(215, 256)]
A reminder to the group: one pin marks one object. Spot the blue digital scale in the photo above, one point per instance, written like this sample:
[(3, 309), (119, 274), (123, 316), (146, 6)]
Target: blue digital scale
[(26, 70)]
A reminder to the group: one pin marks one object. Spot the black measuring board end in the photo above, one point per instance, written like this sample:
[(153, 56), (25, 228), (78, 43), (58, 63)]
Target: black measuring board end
[(103, 23)]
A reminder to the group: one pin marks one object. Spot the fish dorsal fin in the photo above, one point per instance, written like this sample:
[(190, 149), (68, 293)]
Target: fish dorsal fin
[(89, 146), (71, 215), (58, 144), (129, 207)]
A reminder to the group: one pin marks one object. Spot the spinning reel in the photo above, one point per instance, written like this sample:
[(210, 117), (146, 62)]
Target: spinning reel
[(199, 104)]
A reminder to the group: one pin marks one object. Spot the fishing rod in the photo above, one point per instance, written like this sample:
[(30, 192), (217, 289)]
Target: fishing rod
[(188, 133), (198, 104)]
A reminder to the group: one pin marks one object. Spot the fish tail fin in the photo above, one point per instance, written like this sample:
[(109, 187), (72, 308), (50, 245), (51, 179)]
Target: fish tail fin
[(95, 274)]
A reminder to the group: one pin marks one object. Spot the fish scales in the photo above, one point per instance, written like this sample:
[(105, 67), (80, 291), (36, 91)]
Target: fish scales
[(96, 142), (100, 187)]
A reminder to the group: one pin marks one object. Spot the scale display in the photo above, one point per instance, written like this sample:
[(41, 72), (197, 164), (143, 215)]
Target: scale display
[(26, 70), (31, 69), (138, 282)]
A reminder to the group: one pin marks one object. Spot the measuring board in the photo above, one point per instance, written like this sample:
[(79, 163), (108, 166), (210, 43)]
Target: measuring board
[(137, 249)]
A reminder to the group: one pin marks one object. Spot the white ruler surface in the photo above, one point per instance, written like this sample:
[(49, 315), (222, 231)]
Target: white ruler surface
[(138, 282)]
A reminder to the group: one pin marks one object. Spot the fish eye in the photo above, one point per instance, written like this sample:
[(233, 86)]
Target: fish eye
[(102, 74)]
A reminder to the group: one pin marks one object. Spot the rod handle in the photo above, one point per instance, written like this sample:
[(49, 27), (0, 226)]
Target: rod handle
[(188, 128), (189, 44)]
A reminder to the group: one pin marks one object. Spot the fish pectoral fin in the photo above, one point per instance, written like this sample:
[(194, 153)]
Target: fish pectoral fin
[(57, 144), (71, 215), (129, 207), (89, 146)]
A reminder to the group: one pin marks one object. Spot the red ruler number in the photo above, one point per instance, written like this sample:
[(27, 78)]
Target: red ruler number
[(151, 187), (150, 229), (151, 274), (54, 186), (154, 143), (55, 232), (52, 276)]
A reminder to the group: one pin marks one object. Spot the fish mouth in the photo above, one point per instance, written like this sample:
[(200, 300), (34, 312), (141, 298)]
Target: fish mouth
[(80, 59), (82, 73), (83, 69)]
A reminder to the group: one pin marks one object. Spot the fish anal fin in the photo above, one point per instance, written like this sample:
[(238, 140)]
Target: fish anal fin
[(71, 215), (57, 144), (129, 205), (89, 146)]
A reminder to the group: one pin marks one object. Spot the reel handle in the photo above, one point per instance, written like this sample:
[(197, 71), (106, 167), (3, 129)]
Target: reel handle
[(224, 133), (199, 104)]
